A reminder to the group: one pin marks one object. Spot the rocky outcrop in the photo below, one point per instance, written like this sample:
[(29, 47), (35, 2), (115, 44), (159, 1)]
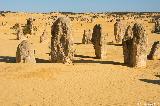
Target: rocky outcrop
[(139, 46), (118, 32), (127, 45), (87, 37), (25, 53), (155, 51), (62, 42), (99, 41)]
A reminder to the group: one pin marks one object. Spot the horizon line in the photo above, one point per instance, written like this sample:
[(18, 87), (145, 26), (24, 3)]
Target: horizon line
[(5, 11)]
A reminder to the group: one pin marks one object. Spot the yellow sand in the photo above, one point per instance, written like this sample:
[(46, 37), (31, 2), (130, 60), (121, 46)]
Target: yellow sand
[(89, 82)]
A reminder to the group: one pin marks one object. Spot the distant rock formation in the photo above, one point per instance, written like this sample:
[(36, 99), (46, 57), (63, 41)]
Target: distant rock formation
[(19, 32), (87, 37), (28, 28), (157, 25), (118, 32), (43, 37)]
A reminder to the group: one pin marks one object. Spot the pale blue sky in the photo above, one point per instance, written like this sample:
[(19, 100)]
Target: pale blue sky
[(80, 5)]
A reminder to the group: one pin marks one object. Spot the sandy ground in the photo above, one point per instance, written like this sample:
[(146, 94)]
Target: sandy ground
[(89, 82)]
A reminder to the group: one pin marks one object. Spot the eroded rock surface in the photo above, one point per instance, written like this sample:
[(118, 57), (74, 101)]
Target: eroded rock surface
[(25, 53), (155, 51), (62, 42), (99, 41)]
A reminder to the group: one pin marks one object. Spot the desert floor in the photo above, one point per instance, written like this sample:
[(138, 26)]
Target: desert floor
[(89, 82)]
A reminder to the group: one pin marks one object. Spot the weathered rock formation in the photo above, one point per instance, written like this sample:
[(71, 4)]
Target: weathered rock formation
[(139, 46), (118, 32), (99, 41), (87, 37), (25, 53), (157, 25), (19, 32), (155, 51), (28, 28), (43, 37), (61, 41), (127, 45)]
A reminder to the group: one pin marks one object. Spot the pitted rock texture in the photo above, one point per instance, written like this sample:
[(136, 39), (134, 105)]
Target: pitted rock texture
[(62, 41), (127, 45), (25, 53), (139, 46), (157, 25), (155, 51), (99, 41), (28, 28), (118, 32)]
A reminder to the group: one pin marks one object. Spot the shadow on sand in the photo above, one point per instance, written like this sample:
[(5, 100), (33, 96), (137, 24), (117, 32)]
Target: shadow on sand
[(93, 61), (7, 59), (100, 62), (151, 81), (78, 43), (157, 76), (111, 43), (42, 61), (81, 56), (12, 39)]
